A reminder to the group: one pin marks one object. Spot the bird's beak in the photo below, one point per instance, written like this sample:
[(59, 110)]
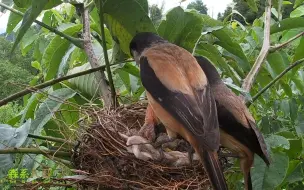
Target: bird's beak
[(136, 56)]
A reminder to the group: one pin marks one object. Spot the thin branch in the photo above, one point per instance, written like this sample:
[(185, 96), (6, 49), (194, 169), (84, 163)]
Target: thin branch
[(275, 80), (263, 53), (71, 39), (48, 83), (100, 76), (104, 47), (279, 46), (34, 151), (48, 138)]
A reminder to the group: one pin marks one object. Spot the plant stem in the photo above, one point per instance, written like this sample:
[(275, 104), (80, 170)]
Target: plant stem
[(100, 76), (49, 138), (48, 83), (71, 39), (275, 80), (34, 151), (248, 81), (279, 46), (104, 47)]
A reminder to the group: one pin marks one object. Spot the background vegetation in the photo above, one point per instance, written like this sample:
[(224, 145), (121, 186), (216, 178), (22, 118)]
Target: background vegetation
[(68, 38)]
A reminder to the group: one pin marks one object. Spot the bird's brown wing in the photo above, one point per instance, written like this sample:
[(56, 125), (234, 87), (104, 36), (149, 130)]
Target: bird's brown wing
[(191, 105), (248, 135)]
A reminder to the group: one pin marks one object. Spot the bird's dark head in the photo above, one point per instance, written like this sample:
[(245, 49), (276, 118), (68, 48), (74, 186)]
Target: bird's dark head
[(141, 41), (209, 70)]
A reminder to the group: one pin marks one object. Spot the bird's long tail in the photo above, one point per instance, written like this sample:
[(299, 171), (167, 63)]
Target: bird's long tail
[(213, 168)]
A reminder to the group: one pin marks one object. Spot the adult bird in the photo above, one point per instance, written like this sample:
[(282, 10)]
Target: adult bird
[(238, 129), (179, 95)]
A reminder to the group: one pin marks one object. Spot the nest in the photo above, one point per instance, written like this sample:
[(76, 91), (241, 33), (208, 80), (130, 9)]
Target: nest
[(107, 162)]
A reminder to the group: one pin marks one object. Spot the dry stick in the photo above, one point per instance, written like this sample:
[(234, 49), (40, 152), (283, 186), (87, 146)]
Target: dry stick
[(263, 53), (275, 80), (34, 151), (104, 47), (71, 39), (100, 76), (46, 84), (279, 46)]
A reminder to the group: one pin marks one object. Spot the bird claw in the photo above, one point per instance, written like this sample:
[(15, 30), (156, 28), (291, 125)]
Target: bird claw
[(148, 132)]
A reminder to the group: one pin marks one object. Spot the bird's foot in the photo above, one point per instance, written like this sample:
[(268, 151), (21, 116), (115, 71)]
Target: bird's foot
[(148, 132)]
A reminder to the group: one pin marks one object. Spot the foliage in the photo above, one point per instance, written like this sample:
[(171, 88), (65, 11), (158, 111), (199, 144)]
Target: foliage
[(156, 13), (199, 6), (250, 15), (9, 111), (231, 46)]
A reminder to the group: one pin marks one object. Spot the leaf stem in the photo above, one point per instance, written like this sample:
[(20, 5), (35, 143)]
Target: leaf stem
[(34, 151), (248, 81), (275, 80), (279, 46), (49, 83), (104, 47), (49, 138), (71, 39)]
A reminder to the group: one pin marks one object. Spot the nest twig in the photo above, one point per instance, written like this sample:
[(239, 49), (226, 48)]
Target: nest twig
[(108, 162)]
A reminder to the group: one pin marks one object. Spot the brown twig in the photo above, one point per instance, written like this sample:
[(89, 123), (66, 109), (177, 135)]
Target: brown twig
[(279, 46), (46, 84), (263, 53), (275, 80), (100, 76)]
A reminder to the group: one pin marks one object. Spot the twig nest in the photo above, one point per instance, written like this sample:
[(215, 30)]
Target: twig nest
[(115, 157)]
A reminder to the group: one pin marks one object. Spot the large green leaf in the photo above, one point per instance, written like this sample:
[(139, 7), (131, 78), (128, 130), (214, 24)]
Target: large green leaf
[(268, 178), (297, 3), (276, 141), (11, 137), (13, 20), (252, 5), (30, 15), (181, 27), (126, 18), (299, 54), (87, 84), (286, 24), (26, 3), (46, 110), (56, 50), (297, 12)]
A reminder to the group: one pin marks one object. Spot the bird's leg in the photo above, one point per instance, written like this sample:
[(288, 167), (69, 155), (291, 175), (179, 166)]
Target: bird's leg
[(148, 129)]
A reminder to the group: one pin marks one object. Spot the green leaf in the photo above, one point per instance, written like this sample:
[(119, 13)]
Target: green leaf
[(233, 47), (296, 172), (30, 15), (252, 5), (36, 65), (87, 84), (286, 24), (300, 125), (11, 137), (181, 27), (268, 178), (13, 20), (297, 12), (26, 43), (121, 20), (276, 141), (287, 3), (48, 107), (297, 3), (299, 54), (56, 50), (26, 3)]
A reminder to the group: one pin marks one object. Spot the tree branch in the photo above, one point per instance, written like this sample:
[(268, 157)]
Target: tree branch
[(100, 76), (71, 39), (104, 47), (48, 83), (275, 80), (279, 46), (34, 151), (263, 53)]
